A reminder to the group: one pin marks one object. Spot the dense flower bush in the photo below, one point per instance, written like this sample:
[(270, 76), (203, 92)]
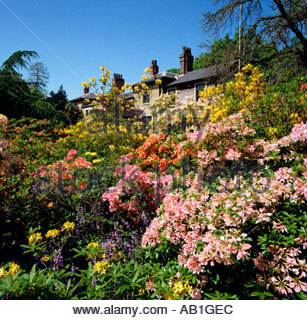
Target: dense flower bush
[(208, 202)]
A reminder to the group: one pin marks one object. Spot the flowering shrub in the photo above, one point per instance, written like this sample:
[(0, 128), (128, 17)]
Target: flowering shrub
[(237, 95), (216, 224), (198, 210)]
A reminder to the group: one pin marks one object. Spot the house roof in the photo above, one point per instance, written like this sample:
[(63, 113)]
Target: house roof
[(127, 95), (164, 74), (200, 74), (90, 96)]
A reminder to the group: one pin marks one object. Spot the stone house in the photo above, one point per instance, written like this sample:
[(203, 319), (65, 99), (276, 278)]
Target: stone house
[(84, 102), (187, 84)]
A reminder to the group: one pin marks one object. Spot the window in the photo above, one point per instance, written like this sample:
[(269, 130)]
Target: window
[(173, 90), (146, 98), (199, 87)]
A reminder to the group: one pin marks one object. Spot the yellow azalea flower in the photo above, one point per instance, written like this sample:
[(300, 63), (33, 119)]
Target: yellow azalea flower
[(3, 273), (68, 226), (92, 79), (144, 86), (147, 70), (85, 84), (35, 237), (158, 81), (50, 205), (178, 287), (102, 68), (169, 297), (92, 245), (118, 255), (87, 153), (93, 154), (52, 233), (111, 147), (13, 268), (45, 258), (122, 128), (97, 160), (141, 292), (101, 266)]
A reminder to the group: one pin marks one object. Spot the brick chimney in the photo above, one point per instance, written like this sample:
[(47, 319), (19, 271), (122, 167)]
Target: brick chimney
[(154, 69), (186, 60), (118, 81), (86, 90)]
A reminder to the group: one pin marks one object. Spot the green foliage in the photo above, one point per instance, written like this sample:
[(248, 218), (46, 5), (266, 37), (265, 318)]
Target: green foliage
[(58, 99), (285, 20), (72, 113), (19, 98), (19, 59), (173, 70), (38, 76)]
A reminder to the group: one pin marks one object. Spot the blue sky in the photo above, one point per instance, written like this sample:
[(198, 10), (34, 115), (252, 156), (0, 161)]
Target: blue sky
[(77, 37)]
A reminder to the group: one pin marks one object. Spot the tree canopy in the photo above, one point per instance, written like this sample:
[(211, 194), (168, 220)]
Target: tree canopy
[(18, 98), (38, 76), (58, 99), (281, 24)]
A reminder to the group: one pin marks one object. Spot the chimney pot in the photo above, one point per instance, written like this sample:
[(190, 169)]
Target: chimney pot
[(186, 60), (86, 90), (154, 68), (118, 81)]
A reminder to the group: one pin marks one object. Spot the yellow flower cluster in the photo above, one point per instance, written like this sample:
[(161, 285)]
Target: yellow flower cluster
[(35, 238), (272, 132), (45, 258), (12, 270), (97, 160), (182, 287), (52, 233), (85, 84), (237, 95), (295, 118), (68, 226), (101, 266), (92, 245), (141, 292), (93, 154)]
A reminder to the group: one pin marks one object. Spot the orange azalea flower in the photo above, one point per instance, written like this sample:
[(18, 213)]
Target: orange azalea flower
[(82, 186)]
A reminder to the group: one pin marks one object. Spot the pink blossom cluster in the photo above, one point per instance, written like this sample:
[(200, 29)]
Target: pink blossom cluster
[(135, 187), (209, 228), (299, 132), (271, 149), (284, 271), (63, 169), (215, 226), (220, 142)]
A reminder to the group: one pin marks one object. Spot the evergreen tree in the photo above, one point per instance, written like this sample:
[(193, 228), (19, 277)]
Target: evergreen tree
[(58, 99), (15, 94), (38, 76)]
